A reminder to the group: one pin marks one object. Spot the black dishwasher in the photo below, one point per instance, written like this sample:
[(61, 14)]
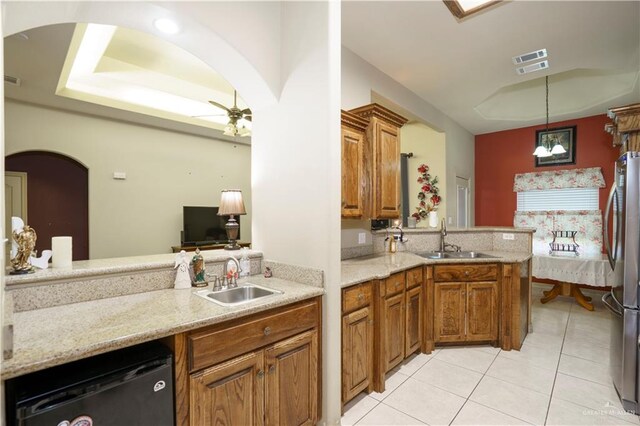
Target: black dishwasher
[(131, 386)]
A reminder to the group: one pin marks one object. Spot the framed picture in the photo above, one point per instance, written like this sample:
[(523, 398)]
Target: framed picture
[(566, 136)]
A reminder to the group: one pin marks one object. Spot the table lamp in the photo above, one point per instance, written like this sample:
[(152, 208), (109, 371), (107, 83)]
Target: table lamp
[(231, 205)]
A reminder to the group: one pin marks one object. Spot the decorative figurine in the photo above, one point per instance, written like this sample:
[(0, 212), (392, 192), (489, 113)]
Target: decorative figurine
[(26, 240), (41, 262), (199, 274), (183, 280), (267, 272)]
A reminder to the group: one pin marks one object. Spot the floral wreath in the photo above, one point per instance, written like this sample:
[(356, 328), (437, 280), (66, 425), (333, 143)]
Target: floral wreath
[(428, 195)]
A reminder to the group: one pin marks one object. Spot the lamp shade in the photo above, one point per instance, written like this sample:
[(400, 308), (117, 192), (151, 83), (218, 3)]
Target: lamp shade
[(231, 203), (541, 151), (558, 149)]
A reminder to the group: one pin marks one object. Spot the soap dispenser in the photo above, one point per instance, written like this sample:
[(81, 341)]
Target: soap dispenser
[(245, 263)]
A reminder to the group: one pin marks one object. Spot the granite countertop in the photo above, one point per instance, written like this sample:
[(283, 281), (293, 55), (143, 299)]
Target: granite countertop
[(51, 336), (380, 266)]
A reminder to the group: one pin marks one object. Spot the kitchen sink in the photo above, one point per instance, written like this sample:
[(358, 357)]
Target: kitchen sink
[(453, 255), (245, 293)]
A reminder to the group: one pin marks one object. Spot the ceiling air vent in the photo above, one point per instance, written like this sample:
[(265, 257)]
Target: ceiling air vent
[(12, 80), (531, 56), (533, 67)]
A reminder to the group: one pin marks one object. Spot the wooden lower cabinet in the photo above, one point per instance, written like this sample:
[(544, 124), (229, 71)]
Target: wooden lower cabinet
[(357, 352), (450, 318), (357, 340), (291, 396), (230, 393), (482, 311), (414, 328), (263, 369), (466, 310), (393, 312)]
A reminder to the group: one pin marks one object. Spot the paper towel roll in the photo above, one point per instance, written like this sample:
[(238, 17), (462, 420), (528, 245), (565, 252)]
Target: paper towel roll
[(62, 252)]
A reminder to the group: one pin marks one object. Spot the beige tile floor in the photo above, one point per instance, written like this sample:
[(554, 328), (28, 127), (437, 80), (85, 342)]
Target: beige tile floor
[(559, 377)]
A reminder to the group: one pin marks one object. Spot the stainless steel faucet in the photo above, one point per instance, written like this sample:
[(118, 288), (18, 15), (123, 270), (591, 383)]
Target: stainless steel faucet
[(233, 281), (443, 233)]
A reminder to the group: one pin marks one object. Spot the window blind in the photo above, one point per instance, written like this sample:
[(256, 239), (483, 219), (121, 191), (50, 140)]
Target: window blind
[(559, 199)]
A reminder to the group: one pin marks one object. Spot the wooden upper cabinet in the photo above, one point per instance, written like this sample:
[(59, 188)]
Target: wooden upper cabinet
[(355, 177), (382, 160)]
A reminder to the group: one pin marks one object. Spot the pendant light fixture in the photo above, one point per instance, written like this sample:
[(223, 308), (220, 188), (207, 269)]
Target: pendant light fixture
[(550, 143)]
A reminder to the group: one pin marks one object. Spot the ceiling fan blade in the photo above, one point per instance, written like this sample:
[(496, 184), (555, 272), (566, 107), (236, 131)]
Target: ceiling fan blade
[(209, 115), (246, 111), (214, 103), (247, 117)]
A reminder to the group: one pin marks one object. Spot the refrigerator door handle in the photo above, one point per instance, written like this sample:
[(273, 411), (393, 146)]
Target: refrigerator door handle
[(609, 306), (607, 242)]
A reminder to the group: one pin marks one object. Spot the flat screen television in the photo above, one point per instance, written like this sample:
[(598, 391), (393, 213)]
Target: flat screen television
[(202, 225)]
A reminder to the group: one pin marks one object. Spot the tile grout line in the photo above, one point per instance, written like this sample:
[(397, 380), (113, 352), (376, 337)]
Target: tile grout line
[(475, 387), (566, 326)]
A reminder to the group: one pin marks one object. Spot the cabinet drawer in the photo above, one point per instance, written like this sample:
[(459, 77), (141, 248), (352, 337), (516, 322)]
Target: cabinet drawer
[(414, 277), (226, 340), (471, 272), (356, 297), (394, 284)]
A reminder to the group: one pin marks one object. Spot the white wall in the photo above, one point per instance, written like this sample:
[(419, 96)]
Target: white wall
[(296, 167), (428, 147), (361, 82), (165, 171)]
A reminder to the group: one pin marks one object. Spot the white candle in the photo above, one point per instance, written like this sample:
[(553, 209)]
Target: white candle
[(62, 252)]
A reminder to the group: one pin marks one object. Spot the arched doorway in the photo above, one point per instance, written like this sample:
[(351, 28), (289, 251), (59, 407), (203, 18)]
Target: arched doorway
[(57, 197)]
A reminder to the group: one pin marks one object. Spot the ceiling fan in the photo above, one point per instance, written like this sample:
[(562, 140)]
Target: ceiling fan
[(235, 114)]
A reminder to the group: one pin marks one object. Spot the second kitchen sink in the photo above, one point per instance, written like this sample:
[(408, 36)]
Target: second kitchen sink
[(453, 255), (238, 295)]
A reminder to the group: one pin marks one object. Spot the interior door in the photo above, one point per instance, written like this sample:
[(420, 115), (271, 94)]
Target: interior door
[(462, 198)]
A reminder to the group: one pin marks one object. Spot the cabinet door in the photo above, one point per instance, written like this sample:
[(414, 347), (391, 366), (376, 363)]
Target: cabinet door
[(386, 191), (393, 315), (292, 381), (352, 172), (482, 311), (357, 353), (414, 323), (449, 305), (229, 393)]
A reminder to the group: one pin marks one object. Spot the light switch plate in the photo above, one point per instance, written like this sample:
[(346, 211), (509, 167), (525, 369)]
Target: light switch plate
[(120, 175), (508, 237), (362, 238)]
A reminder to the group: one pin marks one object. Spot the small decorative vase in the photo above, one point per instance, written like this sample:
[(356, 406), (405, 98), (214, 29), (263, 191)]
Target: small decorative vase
[(433, 219)]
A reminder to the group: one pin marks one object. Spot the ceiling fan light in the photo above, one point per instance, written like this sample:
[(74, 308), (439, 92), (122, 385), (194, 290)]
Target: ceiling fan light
[(244, 132), (558, 149), (230, 130), (541, 151)]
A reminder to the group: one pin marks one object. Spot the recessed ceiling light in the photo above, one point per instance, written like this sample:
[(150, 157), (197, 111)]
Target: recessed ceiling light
[(166, 25)]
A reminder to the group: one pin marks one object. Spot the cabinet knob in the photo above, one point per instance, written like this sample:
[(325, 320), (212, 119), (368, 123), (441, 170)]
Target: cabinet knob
[(272, 369), (267, 331), (466, 273), (260, 374), (361, 297)]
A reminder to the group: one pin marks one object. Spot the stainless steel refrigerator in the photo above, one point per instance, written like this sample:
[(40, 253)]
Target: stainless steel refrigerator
[(623, 250)]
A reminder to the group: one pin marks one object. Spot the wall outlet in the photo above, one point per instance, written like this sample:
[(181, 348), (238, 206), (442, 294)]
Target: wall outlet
[(119, 175), (362, 238), (508, 237)]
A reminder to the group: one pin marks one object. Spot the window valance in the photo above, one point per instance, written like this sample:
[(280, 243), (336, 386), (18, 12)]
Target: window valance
[(559, 179)]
